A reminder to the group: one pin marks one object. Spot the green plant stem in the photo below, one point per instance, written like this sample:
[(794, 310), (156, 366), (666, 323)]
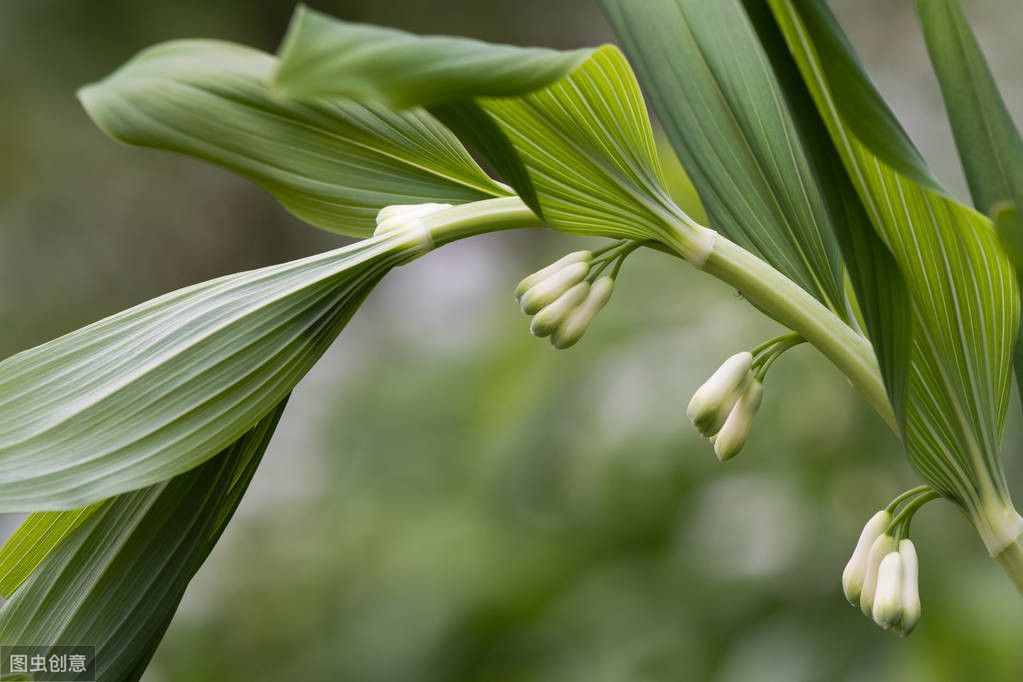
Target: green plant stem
[(1011, 561), (762, 285), (479, 217), (786, 302)]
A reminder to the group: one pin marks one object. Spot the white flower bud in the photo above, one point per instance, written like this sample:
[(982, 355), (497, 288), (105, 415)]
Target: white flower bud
[(578, 321), (536, 277), (714, 399), (548, 319), (887, 609), (883, 546), (733, 434), (856, 569), (910, 589), (547, 290), (400, 216)]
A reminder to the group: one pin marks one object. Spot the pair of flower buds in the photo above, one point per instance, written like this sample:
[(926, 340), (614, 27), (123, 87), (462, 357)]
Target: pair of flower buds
[(881, 577), (722, 409), (562, 299)]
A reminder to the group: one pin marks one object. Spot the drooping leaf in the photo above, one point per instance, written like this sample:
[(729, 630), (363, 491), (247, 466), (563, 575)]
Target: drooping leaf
[(401, 70), (148, 393), (966, 303), (736, 111), (570, 133), (115, 582), (33, 541), (332, 165)]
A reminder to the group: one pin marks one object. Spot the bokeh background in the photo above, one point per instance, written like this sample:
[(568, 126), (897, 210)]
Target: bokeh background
[(449, 499)]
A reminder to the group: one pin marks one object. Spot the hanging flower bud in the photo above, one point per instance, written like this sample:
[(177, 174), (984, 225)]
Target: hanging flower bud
[(882, 547), (910, 589), (714, 399), (547, 290), (564, 261), (855, 570), (887, 609), (398, 216), (578, 320), (733, 434), (552, 315)]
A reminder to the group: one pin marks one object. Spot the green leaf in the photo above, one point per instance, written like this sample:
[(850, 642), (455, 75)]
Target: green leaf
[(989, 144), (148, 393), (33, 541), (736, 110), (966, 304), (332, 165), (401, 70), (117, 580), (574, 141), (720, 83)]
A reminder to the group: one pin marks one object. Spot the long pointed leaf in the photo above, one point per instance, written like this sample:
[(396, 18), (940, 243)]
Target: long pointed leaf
[(332, 165), (157, 389), (116, 581), (962, 286), (989, 143)]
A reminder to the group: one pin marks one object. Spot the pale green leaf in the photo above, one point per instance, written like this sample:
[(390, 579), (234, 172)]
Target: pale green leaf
[(332, 165), (575, 142), (148, 393), (966, 304), (115, 582), (988, 141), (733, 105)]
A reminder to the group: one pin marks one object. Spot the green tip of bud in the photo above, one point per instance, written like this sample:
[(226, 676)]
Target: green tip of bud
[(564, 261), (887, 607), (856, 568), (712, 402), (733, 434), (575, 324), (551, 316), (547, 290)]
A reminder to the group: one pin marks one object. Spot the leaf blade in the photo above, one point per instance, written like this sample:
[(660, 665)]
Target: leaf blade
[(718, 94), (155, 390), (333, 166), (117, 580), (966, 304)]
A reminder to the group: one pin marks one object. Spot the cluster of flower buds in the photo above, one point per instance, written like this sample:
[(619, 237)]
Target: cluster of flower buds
[(722, 409), (881, 576), (566, 296)]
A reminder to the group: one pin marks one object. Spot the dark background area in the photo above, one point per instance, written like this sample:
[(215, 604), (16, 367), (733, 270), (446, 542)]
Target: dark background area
[(449, 499)]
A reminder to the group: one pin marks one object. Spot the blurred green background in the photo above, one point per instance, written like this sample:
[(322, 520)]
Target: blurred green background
[(449, 499)]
